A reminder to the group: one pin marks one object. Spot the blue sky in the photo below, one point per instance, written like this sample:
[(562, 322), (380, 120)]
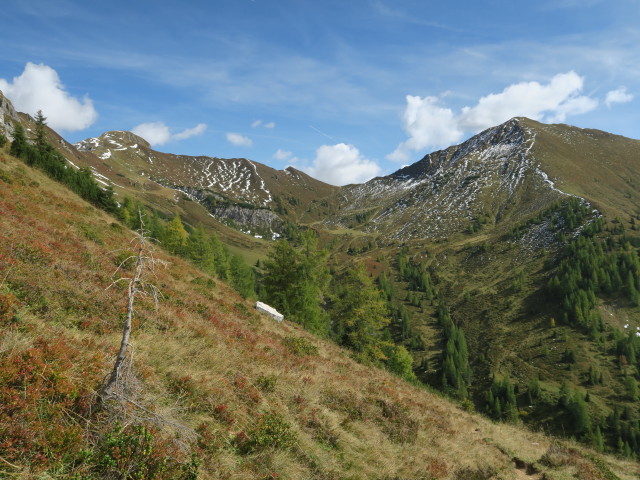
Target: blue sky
[(344, 90)]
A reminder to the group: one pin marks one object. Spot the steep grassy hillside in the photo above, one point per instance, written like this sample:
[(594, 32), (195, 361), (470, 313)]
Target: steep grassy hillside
[(212, 389)]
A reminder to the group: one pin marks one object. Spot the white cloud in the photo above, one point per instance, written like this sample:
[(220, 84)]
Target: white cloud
[(619, 95), (430, 125), (282, 155), (39, 88), (555, 100), (190, 132), (157, 133), (260, 123), (342, 164), (239, 140)]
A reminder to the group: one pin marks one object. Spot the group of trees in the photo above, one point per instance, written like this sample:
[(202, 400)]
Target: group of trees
[(42, 155), (456, 372), (295, 281), (204, 249), (346, 306)]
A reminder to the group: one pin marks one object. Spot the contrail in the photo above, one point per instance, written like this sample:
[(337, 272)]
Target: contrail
[(322, 133)]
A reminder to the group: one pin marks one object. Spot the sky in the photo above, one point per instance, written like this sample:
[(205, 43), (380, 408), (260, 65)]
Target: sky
[(343, 90)]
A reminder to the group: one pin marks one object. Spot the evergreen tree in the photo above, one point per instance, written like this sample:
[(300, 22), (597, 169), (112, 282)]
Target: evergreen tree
[(359, 314), (41, 134), (580, 414), (295, 281), (199, 249), (175, 236), (242, 276), (19, 145)]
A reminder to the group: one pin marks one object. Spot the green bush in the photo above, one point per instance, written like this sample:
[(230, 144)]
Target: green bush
[(300, 346), (267, 383), (270, 431)]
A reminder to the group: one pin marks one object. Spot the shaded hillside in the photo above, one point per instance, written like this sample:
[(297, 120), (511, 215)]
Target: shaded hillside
[(215, 388)]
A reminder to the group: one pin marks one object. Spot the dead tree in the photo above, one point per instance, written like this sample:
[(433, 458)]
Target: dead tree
[(137, 286)]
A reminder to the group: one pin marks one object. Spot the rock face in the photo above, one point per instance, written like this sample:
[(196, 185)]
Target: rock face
[(8, 116)]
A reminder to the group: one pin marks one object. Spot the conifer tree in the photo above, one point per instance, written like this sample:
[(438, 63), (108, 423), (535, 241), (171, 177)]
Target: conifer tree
[(359, 314), (41, 138), (199, 249), (19, 145), (175, 236), (295, 281)]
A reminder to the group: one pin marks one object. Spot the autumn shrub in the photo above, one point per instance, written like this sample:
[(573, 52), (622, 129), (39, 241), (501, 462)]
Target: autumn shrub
[(8, 306), (137, 452), (40, 401), (321, 430), (397, 423)]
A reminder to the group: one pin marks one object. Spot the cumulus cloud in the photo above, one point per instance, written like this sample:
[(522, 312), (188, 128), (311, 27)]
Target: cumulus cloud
[(619, 95), (39, 88), (282, 155), (430, 125), (239, 140), (157, 133), (553, 102), (342, 164)]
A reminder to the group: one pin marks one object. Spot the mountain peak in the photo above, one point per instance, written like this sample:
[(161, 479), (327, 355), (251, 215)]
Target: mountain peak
[(115, 139)]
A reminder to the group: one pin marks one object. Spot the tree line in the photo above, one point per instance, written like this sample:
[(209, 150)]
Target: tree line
[(40, 154)]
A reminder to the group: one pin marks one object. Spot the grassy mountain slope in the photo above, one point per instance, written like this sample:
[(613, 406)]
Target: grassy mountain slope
[(250, 397), (492, 265)]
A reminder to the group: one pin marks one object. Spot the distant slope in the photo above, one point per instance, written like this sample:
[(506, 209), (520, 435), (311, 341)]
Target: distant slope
[(496, 178), (237, 179)]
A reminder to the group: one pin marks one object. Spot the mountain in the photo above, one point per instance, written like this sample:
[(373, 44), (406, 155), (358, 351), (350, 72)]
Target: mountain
[(498, 177), (213, 389), (248, 195), (508, 264)]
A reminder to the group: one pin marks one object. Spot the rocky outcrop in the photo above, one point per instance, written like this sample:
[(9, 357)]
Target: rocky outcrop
[(252, 218), (244, 216), (8, 116)]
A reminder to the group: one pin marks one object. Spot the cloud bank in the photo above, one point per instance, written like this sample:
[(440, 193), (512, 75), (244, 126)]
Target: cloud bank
[(429, 124), (341, 164), (39, 88), (157, 133)]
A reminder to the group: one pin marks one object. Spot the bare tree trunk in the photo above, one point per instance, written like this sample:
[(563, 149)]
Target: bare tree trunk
[(126, 328), (137, 286)]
